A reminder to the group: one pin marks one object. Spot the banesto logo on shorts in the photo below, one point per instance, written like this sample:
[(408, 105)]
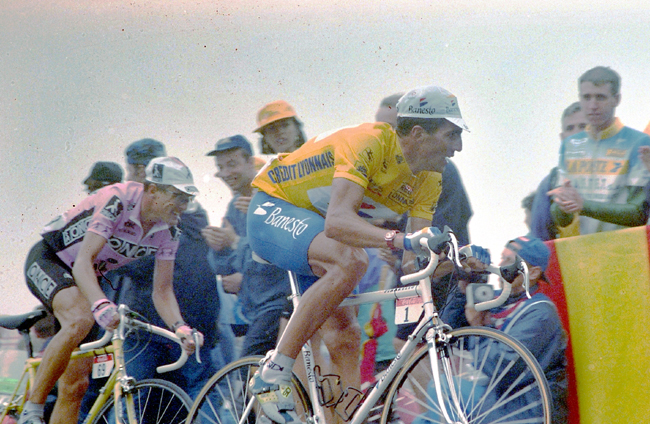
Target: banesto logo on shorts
[(286, 223), (41, 280)]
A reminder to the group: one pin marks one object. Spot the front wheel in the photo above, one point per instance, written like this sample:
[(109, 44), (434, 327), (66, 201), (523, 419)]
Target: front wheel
[(226, 398), (155, 402), (485, 377)]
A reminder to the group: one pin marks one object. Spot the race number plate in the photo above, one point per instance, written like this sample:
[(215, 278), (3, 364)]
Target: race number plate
[(408, 310), (102, 365)]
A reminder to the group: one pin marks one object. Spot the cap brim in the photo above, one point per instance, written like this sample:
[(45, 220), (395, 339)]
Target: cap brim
[(187, 189), (275, 118), (459, 122)]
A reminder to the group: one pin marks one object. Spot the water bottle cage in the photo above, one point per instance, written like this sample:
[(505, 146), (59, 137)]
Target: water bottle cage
[(332, 395)]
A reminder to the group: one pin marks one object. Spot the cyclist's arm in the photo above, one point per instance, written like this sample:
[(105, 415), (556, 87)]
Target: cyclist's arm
[(83, 270), (343, 224), (631, 214), (408, 259), (163, 295)]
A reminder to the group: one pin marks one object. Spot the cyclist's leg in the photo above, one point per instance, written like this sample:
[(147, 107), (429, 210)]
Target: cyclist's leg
[(303, 248), (340, 268), (342, 336), (72, 387), (50, 280), (72, 309)]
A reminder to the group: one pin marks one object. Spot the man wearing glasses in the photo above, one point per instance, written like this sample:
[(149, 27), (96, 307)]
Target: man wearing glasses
[(107, 230)]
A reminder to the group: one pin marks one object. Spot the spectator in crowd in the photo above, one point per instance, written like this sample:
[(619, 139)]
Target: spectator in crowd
[(62, 271), (280, 128), (527, 206), (262, 288), (534, 322), (139, 154), (602, 175), (541, 223), (101, 175), (367, 171)]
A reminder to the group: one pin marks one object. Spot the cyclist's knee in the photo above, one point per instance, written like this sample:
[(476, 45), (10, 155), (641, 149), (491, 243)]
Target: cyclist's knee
[(73, 386), (342, 341), (352, 263), (77, 329), (342, 332)]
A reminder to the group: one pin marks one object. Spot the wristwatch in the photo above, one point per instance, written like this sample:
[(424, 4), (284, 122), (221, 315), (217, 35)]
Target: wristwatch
[(390, 239)]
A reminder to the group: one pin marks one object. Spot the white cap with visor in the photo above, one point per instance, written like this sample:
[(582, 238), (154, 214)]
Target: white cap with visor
[(431, 102)]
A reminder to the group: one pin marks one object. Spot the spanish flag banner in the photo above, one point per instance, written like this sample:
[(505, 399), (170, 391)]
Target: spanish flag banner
[(601, 286)]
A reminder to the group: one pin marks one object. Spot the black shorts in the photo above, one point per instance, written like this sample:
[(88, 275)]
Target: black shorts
[(46, 274)]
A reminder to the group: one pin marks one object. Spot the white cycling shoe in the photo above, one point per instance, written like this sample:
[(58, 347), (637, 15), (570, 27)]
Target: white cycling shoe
[(276, 400)]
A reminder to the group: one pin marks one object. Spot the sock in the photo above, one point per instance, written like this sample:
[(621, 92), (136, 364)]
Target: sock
[(34, 409), (277, 369)]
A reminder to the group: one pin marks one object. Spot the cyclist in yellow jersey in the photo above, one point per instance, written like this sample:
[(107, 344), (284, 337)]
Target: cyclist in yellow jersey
[(308, 215)]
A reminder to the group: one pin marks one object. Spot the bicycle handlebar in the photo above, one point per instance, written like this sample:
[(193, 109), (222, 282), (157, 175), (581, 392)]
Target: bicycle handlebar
[(446, 242), (127, 321)]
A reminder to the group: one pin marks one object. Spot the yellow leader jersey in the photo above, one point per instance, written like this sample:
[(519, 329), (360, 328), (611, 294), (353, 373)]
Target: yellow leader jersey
[(369, 155)]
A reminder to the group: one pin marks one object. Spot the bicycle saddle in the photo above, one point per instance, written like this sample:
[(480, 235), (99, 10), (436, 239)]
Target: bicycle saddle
[(22, 322)]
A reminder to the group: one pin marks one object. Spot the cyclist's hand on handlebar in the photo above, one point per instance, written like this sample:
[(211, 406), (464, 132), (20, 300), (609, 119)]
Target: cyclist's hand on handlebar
[(186, 334), (412, 241), (105, 314)]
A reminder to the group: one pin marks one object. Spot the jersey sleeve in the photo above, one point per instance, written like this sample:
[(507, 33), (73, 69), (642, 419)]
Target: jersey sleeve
[(168, 248), (427, 193), (358, 155), (109, 211)]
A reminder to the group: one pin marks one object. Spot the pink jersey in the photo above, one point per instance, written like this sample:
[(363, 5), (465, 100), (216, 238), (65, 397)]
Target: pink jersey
[(112, 212)]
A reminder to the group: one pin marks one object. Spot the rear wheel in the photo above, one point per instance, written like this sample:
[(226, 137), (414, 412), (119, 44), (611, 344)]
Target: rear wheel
[(485, 377), (155, 402), (226, 398)]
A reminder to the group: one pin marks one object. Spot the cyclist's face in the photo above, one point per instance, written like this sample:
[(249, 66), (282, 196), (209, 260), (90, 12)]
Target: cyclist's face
[(235, 169), (434, 149), (171, 203), (282, 135)]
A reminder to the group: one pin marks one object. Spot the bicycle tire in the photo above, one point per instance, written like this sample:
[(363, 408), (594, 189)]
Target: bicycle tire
[(510, 387), (225, 396), (156, 402)]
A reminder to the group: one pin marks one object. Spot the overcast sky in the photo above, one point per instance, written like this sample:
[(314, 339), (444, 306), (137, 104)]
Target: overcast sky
[(81, 80)]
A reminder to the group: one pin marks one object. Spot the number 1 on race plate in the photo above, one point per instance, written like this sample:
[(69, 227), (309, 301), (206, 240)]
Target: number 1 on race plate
[(408, 310), (102, 365)]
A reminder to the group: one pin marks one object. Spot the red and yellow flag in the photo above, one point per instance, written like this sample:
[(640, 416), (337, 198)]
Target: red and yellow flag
[(601, 285)]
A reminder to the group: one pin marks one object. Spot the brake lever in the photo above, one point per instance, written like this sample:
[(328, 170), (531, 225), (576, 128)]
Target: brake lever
[(195, 336)]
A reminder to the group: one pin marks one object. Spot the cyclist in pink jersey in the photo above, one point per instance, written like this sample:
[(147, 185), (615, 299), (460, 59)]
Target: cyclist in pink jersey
[(116, 225)]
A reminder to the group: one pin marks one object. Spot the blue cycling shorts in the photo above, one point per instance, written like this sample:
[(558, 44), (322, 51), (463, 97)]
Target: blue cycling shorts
[(281, 233)]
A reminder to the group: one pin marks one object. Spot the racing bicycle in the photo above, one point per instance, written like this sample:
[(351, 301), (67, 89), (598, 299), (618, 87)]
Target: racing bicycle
[(468, 375), (146, 401)]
